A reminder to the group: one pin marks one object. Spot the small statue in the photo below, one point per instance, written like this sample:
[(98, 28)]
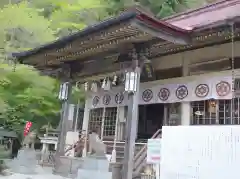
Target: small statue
[(96, 145), (30, 139)]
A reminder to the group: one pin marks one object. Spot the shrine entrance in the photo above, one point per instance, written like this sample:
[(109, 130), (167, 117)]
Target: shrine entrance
[(151, 117)]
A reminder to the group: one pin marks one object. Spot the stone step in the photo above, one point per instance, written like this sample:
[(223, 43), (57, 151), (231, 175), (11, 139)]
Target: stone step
[(120, 146)]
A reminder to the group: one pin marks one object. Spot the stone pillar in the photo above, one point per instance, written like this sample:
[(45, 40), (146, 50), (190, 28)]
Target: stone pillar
[(185, 106), (185, 113), (44, 148), (85, 123), (121, 123), (116, 170), (86, 115), (44, 151), (165, 115), (71, 109)]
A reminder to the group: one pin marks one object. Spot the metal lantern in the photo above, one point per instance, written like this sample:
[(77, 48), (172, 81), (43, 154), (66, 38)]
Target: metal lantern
[(63, 92), (131, 81)]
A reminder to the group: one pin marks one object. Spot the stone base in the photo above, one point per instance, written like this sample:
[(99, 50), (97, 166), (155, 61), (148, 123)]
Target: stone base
[(95, 167), (98, 163), (67, 166), (89, 174), (25, 162)]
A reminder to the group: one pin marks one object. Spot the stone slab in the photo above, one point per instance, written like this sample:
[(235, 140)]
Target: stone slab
[(90, 174), (25, 163), (39, 176), (96, 163)]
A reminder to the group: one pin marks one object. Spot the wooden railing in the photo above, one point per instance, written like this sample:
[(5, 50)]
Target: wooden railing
[(140, 157), (120, 145), (140, 149)]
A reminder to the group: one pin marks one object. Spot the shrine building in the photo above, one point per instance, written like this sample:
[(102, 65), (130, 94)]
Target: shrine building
[(190, 69)]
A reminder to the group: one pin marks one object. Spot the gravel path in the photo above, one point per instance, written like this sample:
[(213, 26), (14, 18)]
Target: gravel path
[(37, 176)]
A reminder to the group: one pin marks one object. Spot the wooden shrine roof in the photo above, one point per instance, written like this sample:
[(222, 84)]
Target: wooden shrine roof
[(192, 29)]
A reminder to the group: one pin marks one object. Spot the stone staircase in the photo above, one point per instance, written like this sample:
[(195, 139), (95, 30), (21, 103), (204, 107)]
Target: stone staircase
[(120, 145)]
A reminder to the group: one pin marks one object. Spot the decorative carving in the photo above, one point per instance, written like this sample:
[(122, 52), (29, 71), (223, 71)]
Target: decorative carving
[(164, 94), (182, 92), (119, 97), (223, 88), (147, 95), (202, 90), (106, 99), (95, 101)]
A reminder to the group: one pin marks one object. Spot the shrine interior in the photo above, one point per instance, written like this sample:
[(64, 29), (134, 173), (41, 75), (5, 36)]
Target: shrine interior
[(151, 118)]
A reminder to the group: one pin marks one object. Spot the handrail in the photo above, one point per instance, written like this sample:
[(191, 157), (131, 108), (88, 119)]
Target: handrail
[(145, 146), (123, 142), (140, 160), (141, 156)]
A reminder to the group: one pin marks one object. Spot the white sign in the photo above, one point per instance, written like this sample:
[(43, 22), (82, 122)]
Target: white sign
[(153, 151), (200, 152)]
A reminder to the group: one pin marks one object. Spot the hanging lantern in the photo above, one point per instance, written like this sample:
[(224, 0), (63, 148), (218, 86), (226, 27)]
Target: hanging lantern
[(63, 92), (131, 78)]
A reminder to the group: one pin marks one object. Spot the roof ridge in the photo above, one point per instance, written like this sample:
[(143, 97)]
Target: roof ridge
[(200, 10)]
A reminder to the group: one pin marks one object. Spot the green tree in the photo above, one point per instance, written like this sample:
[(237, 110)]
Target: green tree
[(27, 96), (71, 17), (160, 8), (22, 28)]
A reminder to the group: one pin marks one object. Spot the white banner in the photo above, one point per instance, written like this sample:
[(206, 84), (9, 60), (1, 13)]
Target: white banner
[(214, 88), (153, 151)]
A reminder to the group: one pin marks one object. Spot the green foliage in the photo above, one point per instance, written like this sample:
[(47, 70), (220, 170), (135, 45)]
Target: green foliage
[(27, 96), (26, 30), (68, 18)]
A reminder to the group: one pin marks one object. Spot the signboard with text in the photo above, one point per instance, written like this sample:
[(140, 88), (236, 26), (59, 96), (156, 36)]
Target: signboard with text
[(200, 152), (153, 151)]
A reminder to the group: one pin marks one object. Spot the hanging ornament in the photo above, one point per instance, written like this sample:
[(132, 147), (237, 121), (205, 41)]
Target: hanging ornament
[(212, 103), (115, 78), (107, 85), (27, 128), (104, 83), (94, 87), (86, 86)]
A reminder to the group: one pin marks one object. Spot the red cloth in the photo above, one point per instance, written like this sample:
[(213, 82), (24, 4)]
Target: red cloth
[(27, 128)]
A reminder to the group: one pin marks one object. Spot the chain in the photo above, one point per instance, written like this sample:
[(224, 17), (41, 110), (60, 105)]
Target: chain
[(233, 71)]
